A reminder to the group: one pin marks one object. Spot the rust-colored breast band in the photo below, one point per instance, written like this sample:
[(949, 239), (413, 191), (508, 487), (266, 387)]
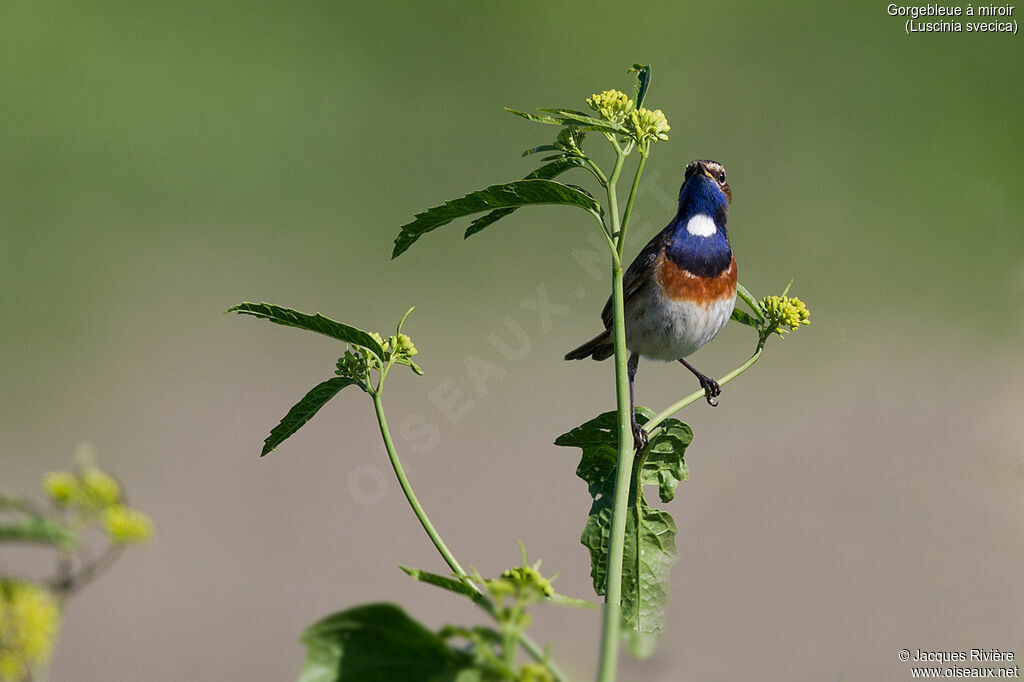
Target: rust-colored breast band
[(680, 284)]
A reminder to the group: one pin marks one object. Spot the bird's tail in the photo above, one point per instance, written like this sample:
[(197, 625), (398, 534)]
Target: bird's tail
[(600, 348)]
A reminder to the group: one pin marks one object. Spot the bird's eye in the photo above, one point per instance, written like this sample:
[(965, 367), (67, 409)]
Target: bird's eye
[(721, 177)]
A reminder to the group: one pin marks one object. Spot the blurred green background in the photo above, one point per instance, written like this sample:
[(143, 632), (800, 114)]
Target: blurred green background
[(856, 493)]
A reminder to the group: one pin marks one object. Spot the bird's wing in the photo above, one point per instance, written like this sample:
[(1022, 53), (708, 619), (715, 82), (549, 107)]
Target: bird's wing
[(638, 274)]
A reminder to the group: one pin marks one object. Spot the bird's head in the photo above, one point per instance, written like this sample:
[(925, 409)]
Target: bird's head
[(705, 190)]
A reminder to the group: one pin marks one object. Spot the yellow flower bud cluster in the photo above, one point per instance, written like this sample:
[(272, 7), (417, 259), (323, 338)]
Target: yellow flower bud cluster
[(127, 526), (649, 125), (353, 366), (528, 578), (570, 140), (611, 105), (96, 496), (785, 311), (29, 622), (90, 489), (403, 346)]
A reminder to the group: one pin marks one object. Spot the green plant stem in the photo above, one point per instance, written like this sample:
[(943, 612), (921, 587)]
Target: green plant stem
[(612, 619), (697, 395), (632, 197), (483, 601), (403, 481)]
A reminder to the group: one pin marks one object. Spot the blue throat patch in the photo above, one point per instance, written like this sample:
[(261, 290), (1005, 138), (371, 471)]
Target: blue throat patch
[(703, 256)]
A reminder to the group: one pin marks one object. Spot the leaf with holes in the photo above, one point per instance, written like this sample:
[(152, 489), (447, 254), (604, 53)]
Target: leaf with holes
[(650, 533)]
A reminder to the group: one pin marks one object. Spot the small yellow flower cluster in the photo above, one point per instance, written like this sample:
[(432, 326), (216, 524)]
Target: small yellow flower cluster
[(358, 361), (91, 489), (380, 339), (29, 621), (786, 312), (61, 486), (649, 125), (611, 105), (127, 526), (529, 578), (96, 496), (403, 346)]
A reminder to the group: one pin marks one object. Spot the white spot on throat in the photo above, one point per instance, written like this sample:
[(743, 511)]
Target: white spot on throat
[(701, 225)]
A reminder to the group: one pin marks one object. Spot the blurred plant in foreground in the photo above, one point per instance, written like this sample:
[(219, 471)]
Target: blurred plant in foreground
[(80, 504)]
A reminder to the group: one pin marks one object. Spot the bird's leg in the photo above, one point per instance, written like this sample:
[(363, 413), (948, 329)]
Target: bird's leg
[(711, 388), (639, 435)]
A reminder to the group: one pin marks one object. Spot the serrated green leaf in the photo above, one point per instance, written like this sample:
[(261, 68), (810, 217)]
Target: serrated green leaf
[(314, 323), (574, 118), (304, 410), (649, 550), (380, 643), (536, 118), (509, 195), (643, 83), (548, 171), (37, 529)]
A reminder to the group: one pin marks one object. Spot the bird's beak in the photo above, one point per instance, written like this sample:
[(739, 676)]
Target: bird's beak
[(701, 168)]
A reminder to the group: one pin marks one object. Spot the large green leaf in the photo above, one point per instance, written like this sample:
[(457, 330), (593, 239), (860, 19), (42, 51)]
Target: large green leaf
[(314, 323), (509, 195), (643, 83), (650, 533), (547, 171), (304, 410), (380, 643)]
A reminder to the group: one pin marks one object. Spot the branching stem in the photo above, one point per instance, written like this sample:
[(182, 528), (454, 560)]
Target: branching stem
[(482, 599)]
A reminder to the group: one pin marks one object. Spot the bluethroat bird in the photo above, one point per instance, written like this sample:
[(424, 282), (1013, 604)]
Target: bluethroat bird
[(680, 290)]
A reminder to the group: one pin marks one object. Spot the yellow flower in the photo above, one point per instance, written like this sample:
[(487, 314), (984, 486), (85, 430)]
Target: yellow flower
[(649, 125), (127, 526), (786, 312), (612, 105), (101, 489), (61, 486), (29, 621)]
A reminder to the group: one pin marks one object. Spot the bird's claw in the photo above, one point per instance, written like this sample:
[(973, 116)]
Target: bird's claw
[(711, 391), (640, 437)]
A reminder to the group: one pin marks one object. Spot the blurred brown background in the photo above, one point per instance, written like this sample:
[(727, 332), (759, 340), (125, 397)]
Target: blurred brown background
[(857, 492)]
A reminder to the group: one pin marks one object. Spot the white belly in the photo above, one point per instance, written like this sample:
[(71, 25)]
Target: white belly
[(663, 329)]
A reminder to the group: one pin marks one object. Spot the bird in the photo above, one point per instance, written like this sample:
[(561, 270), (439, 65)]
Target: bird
[(680, 290)]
